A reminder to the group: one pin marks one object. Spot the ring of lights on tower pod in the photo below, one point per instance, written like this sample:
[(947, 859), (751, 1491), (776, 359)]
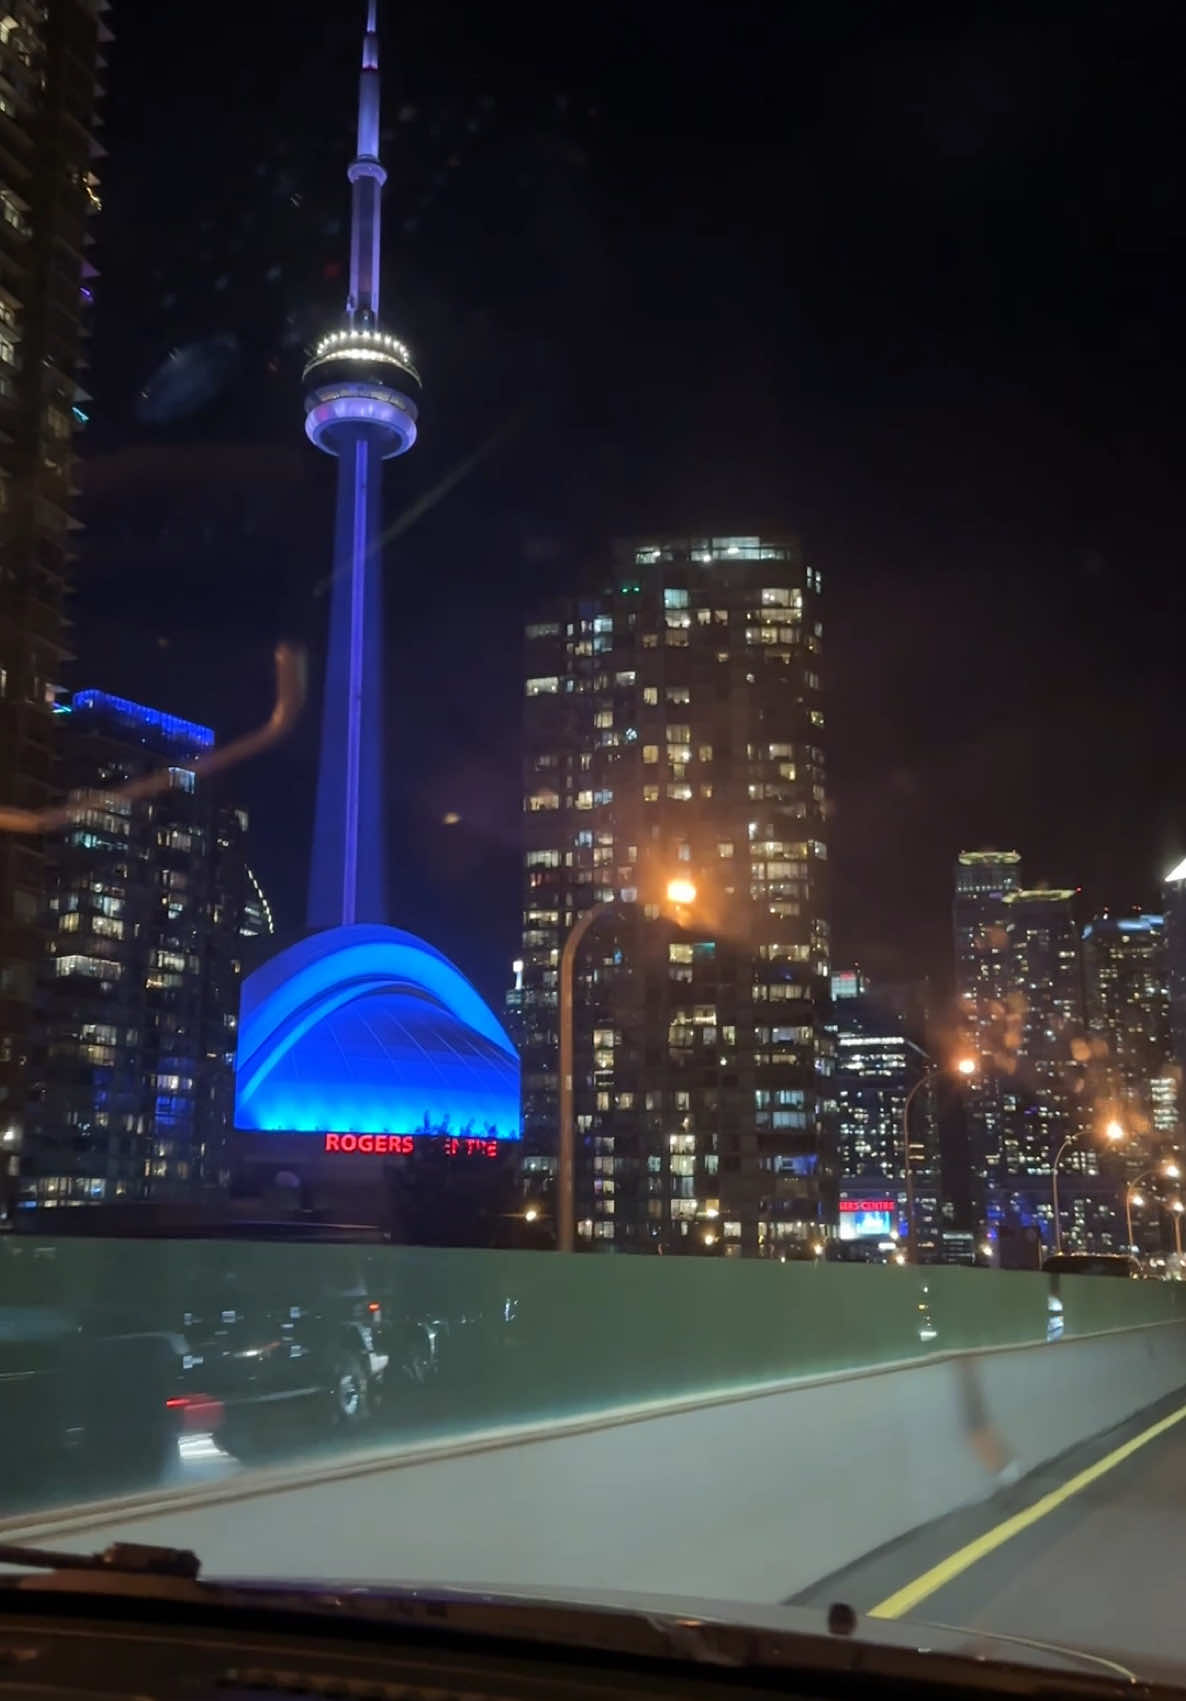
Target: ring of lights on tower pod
[(372, 1041)]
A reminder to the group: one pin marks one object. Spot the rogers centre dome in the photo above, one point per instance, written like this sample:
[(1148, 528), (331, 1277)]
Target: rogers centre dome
[(368, 1030)]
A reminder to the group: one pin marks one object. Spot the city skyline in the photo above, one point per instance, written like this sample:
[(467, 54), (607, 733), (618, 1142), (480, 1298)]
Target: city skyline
[(940, 455), (351, 765)]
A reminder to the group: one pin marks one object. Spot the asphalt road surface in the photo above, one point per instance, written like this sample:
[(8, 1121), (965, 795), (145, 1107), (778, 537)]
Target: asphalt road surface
[(1102, 1569)]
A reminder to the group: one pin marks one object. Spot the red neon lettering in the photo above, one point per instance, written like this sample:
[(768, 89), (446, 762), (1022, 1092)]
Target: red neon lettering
[(407, 1144), (331, 1142), (492, 1148), (349, 1143), (366, 1142)]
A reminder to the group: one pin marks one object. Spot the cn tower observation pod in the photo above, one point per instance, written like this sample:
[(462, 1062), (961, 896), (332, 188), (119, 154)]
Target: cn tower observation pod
[(368, 1030)]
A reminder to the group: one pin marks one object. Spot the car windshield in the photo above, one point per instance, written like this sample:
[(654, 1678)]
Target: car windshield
[(592, 860)]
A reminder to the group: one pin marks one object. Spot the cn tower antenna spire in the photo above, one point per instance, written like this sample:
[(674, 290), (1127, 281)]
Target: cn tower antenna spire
[(367, 178), (361, 402)]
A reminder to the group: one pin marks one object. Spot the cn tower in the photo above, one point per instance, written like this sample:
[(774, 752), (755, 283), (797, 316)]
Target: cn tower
[(361, 1042), (360, 405)]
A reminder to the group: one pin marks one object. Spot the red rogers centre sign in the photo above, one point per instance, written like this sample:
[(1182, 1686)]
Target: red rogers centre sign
[(403, 1145), (868, 1205)]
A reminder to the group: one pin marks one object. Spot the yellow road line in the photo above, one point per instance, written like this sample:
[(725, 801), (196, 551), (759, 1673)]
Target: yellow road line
[(903, 1600)]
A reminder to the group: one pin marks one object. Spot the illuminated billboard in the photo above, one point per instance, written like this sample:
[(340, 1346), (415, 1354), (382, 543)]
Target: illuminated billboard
[(860, 1218), (366, 1032)]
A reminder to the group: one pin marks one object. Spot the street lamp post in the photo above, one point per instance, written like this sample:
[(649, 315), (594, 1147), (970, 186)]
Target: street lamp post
[(1176, 1210), (566, 1146), (679, 892), (1114, 1132), (965, 1066), (1132, 1197), (907, 1166), (1070, 1140)]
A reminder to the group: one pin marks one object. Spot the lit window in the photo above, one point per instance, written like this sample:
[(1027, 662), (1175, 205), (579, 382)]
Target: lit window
[(543, 685), (650, 752), (675, 599)]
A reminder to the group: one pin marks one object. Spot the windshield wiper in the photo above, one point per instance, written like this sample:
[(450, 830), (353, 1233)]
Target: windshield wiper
[(128, 1558)]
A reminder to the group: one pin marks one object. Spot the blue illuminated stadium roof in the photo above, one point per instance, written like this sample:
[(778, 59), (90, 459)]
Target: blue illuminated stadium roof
[(368, 1030)]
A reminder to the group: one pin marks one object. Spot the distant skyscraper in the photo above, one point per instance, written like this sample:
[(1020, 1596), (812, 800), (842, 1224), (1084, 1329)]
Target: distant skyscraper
[(1019, 976), (50, 61), (1128, 1003), (1049, 1092), (674, 725), (983, 880), (136, 1027), (1174, 900), (879, 1062)]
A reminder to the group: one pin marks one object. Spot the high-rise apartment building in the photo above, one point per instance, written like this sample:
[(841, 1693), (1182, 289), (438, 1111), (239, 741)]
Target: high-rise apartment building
[(1019, 976), (1044, 1029), (983, 880), (1174, 903), (675, 727), (880, 1062), (50, 61), (149, 902), (1128, 1005)]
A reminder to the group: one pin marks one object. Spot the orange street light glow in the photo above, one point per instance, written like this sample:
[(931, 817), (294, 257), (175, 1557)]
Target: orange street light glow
[(681, 892), (966, 1066), (1114, 1131)]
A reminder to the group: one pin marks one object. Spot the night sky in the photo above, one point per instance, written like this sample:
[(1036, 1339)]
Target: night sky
[(906, 288)]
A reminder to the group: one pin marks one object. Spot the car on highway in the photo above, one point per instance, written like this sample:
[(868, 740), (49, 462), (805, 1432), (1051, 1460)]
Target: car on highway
[(279, 1340), (1120, 1264), (85, 1397)]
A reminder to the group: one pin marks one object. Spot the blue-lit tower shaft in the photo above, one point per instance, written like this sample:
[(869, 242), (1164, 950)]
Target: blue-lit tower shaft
[(360, 405)]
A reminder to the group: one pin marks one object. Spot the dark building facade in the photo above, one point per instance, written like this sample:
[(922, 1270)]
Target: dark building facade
[(50, 59), (1126, 968), (1174, 904), (880, 1062), (148, 902), (983, 983), (1044, 1077), (674, 728), (1023, 1009)]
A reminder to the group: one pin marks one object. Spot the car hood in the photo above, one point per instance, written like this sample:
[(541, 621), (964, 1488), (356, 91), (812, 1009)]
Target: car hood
[(719, 1633)]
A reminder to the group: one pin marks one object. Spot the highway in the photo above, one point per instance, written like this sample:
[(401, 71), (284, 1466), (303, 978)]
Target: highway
[(1102, 1568)]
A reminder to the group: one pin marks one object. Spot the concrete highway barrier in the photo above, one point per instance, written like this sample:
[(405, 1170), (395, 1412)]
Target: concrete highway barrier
[(755, 1429)]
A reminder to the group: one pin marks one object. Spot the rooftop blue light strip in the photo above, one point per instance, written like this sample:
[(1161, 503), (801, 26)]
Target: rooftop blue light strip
[(176, 730), (1128, 924)]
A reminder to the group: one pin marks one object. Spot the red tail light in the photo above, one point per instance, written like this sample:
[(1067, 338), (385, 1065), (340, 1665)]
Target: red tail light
[(200, 1413)]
